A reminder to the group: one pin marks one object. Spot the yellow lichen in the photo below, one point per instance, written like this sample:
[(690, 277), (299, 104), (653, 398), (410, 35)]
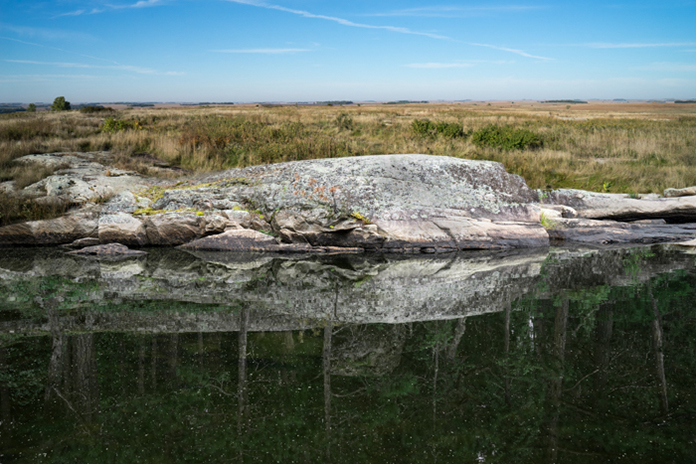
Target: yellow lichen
[(360, 217)]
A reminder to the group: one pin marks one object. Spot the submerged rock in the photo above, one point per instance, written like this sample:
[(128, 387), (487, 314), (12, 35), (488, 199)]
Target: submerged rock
[(109, 250)]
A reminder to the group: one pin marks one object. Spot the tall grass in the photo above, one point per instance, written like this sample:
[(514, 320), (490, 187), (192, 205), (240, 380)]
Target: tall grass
[(604, 152)]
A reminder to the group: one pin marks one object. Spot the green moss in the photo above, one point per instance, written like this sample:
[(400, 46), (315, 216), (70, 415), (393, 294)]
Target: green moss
[(547, 222)]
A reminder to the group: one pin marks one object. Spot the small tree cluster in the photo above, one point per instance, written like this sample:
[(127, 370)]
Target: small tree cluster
[(59, 104)]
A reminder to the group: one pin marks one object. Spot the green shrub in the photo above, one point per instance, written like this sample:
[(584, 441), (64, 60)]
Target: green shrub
[(423, 127), (344, 121), (116, 125), (450, 129), (506, 138), (427, 128)]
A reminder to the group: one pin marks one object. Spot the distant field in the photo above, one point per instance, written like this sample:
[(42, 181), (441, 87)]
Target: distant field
[(615, 147)]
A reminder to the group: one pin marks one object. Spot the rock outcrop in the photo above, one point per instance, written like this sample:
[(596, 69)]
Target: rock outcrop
[(623, 207), (683, 192), (604, 218), (387, 203), (79, 178)]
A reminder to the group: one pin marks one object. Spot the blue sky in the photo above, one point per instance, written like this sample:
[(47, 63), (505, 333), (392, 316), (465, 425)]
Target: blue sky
[(309, 50)]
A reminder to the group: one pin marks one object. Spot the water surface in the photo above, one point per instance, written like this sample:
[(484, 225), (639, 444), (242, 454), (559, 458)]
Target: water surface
[(539, 356)]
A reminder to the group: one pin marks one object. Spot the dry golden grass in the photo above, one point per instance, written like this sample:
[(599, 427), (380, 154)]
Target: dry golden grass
[(618, 147)]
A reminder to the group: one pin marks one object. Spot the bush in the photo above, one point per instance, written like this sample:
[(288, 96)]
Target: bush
[(427, 128), (450, 130), (423, 127), (117, 125), (31, 108), (506, 138), (344, 121)]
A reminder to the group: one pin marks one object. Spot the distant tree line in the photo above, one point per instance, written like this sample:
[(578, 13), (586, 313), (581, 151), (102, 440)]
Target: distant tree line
[(335, 103), (564, 101), (11, 108), (138, 104), (405, 102)]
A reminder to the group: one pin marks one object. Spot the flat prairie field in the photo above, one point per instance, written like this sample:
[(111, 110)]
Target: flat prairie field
[(601, 146)]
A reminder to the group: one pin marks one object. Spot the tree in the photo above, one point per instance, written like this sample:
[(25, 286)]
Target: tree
[(59, 104), (31, 108)]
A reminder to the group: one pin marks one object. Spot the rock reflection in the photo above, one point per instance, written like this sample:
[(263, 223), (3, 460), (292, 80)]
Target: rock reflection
[(558, 357)]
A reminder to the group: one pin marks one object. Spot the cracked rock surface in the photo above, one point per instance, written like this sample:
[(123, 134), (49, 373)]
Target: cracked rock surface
[(392, 203), (386, 203)]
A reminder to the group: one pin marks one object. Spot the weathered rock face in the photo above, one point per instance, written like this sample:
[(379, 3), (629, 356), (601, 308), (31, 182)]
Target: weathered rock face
[(604, 218), (393, 203), (388, 203), (683, 192), (614, 232), (622, 207), (65, 229), (80, 178)]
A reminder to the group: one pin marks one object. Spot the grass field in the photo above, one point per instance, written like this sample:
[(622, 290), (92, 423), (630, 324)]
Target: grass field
[(614, 147)]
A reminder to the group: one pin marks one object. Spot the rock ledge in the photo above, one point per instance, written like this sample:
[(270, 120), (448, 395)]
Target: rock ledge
[(386, 203)]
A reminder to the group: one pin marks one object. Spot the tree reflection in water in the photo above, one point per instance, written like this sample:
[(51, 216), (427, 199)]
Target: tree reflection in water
[(575, 370)]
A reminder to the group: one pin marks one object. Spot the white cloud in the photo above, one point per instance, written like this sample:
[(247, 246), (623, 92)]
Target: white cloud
[(512, 50), (135, 69), (456, 64), (439, 65), (46, 34), (671, 67), (269, 51), (72, 13), (456, 11), (640, 45), (60, 50), (143, 4), (139, 4), (24, 78), (344, 22)]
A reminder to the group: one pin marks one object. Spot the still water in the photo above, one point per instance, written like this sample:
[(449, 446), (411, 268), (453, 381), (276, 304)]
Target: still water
[(560, 355)]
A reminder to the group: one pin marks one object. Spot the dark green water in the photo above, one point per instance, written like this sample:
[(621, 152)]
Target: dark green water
[(570, 356)]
